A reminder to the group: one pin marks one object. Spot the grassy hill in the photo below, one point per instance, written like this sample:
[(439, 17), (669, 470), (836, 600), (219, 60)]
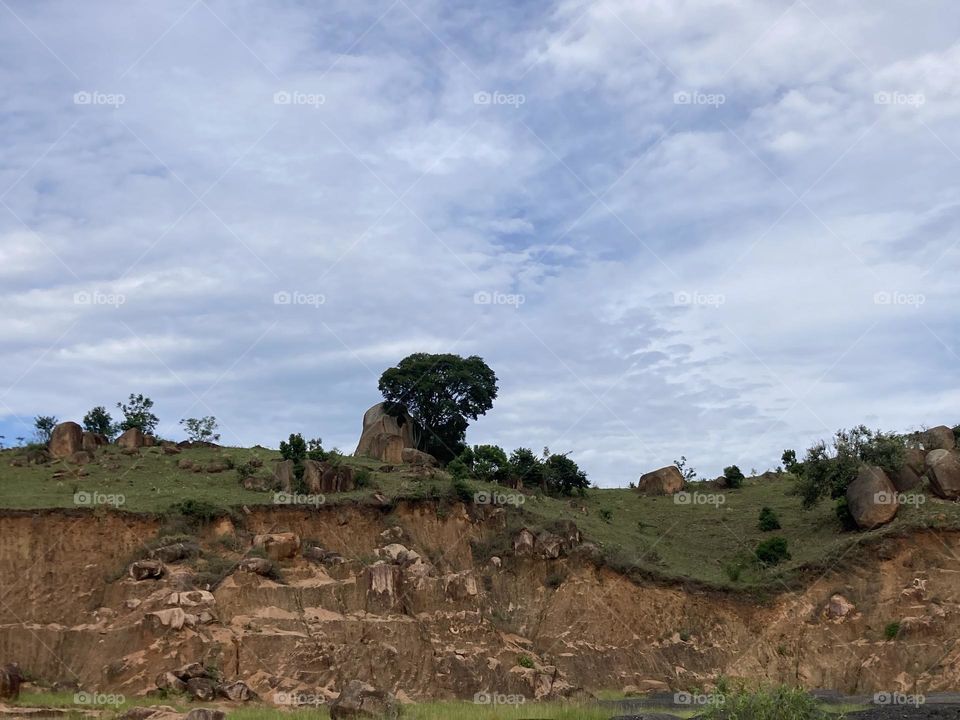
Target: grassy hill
[(708, 543)]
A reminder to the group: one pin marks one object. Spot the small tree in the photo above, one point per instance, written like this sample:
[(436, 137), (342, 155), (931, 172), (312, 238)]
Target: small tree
[(490, 463), (137, 413), (564, 476), (201, 429), (527, 468), (768, 520), (772, 551), (689, 474), (44, 425), (733, 477), (789, 460), (295, 449), (99, 421)]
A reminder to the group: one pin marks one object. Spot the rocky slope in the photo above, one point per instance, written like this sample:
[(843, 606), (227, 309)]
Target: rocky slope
[(396, 597)]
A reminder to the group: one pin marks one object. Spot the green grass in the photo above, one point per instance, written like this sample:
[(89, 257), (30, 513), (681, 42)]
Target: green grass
[(709, 544)]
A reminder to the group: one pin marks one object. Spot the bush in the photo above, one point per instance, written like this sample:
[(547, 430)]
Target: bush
[(526, 467), (606, 515), (44, 425), (772, 551), (99, 421), (525, 661), (195, 513), (138, 413), (564, 476), (844, 515), (689, 474), (458, 469), (779, 703), (460, 491), (768, 520), (201, 429), (362, 478), (315, 450), (733, 477), (490, 463), (891, 631)]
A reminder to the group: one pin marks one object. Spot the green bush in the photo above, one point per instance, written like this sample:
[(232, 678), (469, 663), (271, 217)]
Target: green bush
[(772, 551), (733, 477), (490, 463), (525, 661), (606, 515), (844, 515), (527, 468), (362, 478), (460, 491), (778, 703), (768, 520), (891, 631)]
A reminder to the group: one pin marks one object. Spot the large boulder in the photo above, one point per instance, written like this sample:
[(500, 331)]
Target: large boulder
[(412, 456), (132, 438), (665, 481), (943, 470), (283, 475), (938, 438), (278, 546), (66, 439), (205, 714), (872, 498), (91, 441), (324, 477), (384, 436), (146, 570), (361, 700), (10, 680)]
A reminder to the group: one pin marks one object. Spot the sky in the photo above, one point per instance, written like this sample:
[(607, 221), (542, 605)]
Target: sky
[(711, 228)]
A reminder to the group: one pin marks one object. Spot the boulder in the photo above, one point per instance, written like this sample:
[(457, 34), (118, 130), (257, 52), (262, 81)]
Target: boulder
[(175, 551), (361, 700), (278, 546), (202, 689), (185, 464), (80, 457), (131, 439), (10, 680), (145, 570), (665, 481), (205, 714), (256, 566), (91, 441), (149, 441), (523, 542), (872, 498), (412, 456), (238, 692), (938, 438), (66, 439), (906, 478), (170, 681), (384, 436), (322, 478), (943, 470), (839, 607), (916, 459), (283, 475)]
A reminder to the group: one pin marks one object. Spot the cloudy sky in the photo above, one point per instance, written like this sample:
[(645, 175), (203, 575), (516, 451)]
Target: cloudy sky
[(711, 228)]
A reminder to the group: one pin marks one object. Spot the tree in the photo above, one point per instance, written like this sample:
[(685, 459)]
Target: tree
[(490, 463), (44, 425), (295, 449), (442, 393), (564, 476), (733, 477), (768, 520), (201, 429), (689, 474), (137, 414), (99, 421), (527, 468)]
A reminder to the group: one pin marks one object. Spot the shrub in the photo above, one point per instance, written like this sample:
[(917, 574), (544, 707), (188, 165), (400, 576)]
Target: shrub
[(194, 513), (733, 477), (138, 413), (295, 450), (555, 579), (606, 515), (44, 425), (525, 661), (779, 703), (789, 460), (772, 551), (458, 469), (315, 450), (201, 429), (245, 470), (768, 520), (844, 515), (564, 476), (99, 421), (461, 491), (362, 478), (490, 463), (891, 631), (689, 474), (525, 466)]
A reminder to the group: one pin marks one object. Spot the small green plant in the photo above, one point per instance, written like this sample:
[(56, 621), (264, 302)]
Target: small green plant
[(525, 661), (778, 703), (842, 511), (768, 520), (362, 478), (891, 631), (460, 491), (606, 515), (772, 551), (689, 474), (555, 579), (733, 477), (315, 450), (138, 413)]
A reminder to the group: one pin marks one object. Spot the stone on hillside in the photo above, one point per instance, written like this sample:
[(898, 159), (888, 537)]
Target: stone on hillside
[(202, 689), (938, 438), (665, 481), (146, 570), (205, 714), (175, 551), (278, 546), (322, 478), (839, 607), (523, 542), (916, 459), (906, 478), (361, 700), (185, 464), (256, 566), (872, 498), (10, 680), (170, 449), (384, 436), (131, 439), (91, 441), (238, 692), (66, 439), (170, 681), (149, 441), (80, 457), (412, 456), (283, 475), (943, 470)]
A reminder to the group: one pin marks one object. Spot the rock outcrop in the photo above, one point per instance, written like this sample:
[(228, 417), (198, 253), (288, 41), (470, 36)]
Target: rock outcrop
[(665, 481), (362, 700), (66, 439), (938, 438), (943, 470), (10, 680), (385, 436), (132, 439), (872, 498)]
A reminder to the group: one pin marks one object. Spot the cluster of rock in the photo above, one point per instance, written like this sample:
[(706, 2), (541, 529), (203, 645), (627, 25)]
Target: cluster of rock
[(165, 712), (545, 544), (197, 682)]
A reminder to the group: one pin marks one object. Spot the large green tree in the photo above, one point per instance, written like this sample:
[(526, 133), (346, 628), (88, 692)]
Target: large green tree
[(442, 393)]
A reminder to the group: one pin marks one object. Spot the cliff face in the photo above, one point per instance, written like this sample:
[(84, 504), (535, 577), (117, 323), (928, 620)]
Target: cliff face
[(398, 600)]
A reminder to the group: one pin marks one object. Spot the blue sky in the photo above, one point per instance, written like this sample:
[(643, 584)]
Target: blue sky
[(714, 229)]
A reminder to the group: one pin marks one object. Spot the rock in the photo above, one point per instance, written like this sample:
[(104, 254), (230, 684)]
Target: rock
[(149, 441), (523, 542), (283, 475), (238, 692), (412, 456), (322, 478), (80, 457), (906, 478), (191, 598), (66, 439), (384, 436), (916, 459), (278, 546), (173, 618), (397, 553), (943, 470), (202, 689), (91, 441), (132, 438), (872, 498), (175, 551), (169, 681), (360, 700), (665, 481), (549, 546), (839, 607), (257, 566), (146, 570), (205, 714), (185, 464), (10, 680), (190, 671), (938, 438), (150, 711), (167, 449), (217, 466)]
